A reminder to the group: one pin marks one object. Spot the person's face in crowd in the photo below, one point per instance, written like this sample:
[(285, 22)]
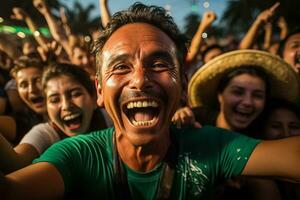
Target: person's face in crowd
[(28, 48), (30, 88), (282, 123), (141, 84), (212, 54), (81, 57), (291, 50), (69, 105), (242, 100)]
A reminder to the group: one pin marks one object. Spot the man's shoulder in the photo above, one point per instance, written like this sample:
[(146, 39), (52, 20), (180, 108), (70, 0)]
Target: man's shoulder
[(98, 137), (189, 131)]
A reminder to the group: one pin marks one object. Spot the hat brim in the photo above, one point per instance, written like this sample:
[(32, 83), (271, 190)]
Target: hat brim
[(284, 81)]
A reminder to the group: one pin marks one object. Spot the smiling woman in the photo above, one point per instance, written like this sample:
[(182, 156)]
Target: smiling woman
[(71, 106), (238, 84)]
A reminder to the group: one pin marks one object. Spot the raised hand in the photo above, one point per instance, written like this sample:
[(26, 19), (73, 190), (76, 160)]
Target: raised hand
[(41, 6), (185, 116), (18, 13), (208, 18), (266, 15)]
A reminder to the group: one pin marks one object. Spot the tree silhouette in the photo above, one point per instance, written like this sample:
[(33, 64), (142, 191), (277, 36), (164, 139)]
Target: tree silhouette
[(191, 24), (239, 15), (7, 6), (80, 20)]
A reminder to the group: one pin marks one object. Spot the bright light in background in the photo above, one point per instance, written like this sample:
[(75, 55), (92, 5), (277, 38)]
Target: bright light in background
[(194, 8), (36, 33), (1, 20), (87, 38), (168, 7), (206, 4), (204, 35), (21, 34)]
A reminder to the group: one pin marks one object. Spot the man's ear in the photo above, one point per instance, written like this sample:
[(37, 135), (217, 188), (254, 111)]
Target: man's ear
[(98, 87)]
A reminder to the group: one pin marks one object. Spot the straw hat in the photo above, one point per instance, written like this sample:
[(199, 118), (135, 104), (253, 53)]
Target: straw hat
[(284, 81)]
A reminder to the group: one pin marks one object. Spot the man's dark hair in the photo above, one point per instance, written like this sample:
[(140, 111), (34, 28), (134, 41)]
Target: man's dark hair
[(138, 12), (283, 42)]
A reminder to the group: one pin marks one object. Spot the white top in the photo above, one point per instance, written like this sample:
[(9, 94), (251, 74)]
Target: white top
[(41, 137)]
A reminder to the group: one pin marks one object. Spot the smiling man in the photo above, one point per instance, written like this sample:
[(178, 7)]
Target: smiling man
[(141, 83)]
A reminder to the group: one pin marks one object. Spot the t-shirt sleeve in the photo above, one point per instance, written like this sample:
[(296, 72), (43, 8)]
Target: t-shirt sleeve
[(63, 155), (41, 137), (234, 150)]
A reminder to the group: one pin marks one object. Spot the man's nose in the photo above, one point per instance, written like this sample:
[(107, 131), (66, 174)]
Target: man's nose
[(140, 79)]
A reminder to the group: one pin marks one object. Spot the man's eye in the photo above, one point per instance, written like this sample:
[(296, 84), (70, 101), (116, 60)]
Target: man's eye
[(120, 67), (76, 93), (160, 66)]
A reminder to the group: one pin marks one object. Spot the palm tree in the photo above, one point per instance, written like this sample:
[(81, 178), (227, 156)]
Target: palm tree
[(80, 20), (239, 15)]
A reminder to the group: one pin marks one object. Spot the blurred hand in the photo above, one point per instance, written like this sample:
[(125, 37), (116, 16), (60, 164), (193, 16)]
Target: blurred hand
[(208, 18), (41, 6), (51, 52), (266, 15), (18, 13), (281, 23), (63, 15), (185, 116)]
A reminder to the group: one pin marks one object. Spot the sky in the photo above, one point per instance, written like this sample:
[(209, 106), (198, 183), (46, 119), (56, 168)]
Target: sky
[(179, 9)]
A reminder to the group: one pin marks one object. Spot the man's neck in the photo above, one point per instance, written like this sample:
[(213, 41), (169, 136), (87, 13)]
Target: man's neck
[(145, 157)]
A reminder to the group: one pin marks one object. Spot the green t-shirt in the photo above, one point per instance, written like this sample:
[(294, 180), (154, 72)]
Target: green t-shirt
[(205, 157)]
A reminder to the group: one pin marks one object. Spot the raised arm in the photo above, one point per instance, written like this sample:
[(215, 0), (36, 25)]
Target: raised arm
[(20, 14), (281, 23), (8, 128), (65, 21), (207, 19), (263, 17), (56, 30), (13, 159), (277, 158), (105, 14), (268, 35), (37, 181)]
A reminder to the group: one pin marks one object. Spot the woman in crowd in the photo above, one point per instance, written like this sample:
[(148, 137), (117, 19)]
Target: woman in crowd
[(231, 92), (71, 106)]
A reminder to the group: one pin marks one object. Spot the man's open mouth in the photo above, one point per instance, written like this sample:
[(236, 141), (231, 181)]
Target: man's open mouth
[(73, 121), (142, 113)]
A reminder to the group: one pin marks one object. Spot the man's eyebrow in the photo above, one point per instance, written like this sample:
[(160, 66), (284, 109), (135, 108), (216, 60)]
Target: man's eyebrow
[(165, 55), (116, 58)]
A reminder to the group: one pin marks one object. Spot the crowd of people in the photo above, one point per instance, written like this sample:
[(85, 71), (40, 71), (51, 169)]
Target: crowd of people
[(145, 114)]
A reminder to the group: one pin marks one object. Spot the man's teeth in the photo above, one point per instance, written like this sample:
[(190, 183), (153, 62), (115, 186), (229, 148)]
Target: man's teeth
[(142, 104), (70, 117), (143, 123)]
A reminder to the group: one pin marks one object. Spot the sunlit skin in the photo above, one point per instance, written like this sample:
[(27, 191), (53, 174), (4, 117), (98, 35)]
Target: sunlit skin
[(282, 123), (241, 102), (212, 54), (30, 88), (81, 58), (67, 97), (291, 48), (139, 63)]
